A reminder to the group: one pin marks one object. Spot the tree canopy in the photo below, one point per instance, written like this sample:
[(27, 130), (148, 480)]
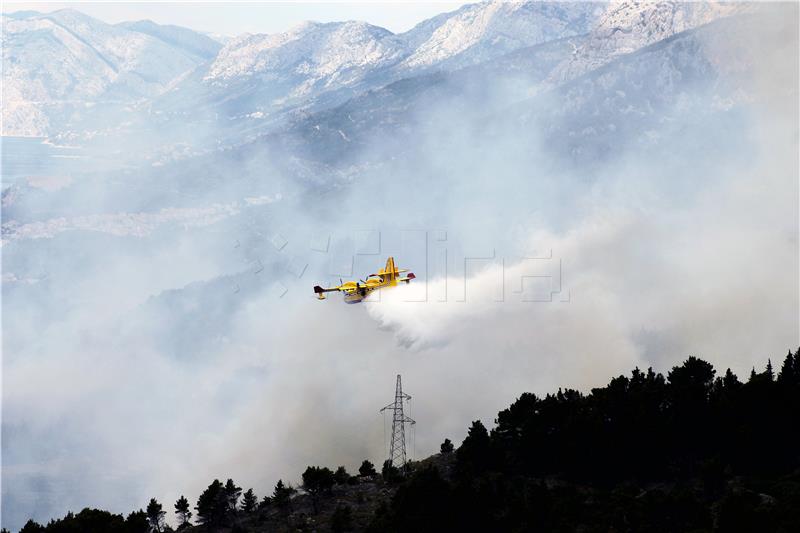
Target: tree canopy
[(367, 469)]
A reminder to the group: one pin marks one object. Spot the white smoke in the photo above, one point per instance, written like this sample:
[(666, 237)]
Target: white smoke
[(155, 363)]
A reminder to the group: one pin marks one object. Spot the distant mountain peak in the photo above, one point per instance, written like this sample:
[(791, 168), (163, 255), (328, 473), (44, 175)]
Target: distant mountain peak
[(310, 47), (627, 26), (54, 62), (476, 32)]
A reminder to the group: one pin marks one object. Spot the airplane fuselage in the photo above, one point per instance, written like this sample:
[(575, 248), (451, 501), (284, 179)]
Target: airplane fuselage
[(355, 291)]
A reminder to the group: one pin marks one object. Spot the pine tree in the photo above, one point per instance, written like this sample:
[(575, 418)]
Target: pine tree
[(249, 501), (282, 496), (366, 469), (137, 521), (788, 372), (768, 372), (155, 515), (182, 510), (341, 476), (691, 382), (280, 490), (474, 453), (317, 480), (232, 493), (446, 447), (212, 505), (730, 381), (32, 527)]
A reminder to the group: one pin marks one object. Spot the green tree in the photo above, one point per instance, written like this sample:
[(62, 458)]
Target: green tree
[(212, 505), (136, 522), (249, 501), (317, 480), (691, 382), (232, 493), (446, 447), (282, 496), (341, 476), (367, 469), (474, 453), (730, 381), (182, 511), (32, 527), (790, 370), (265, 503), (155, 515)]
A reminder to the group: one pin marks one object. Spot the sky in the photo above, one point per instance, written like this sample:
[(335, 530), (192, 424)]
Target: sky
[(234, 18)]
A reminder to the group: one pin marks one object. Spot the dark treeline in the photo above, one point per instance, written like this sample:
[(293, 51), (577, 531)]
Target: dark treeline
[(689, 451)]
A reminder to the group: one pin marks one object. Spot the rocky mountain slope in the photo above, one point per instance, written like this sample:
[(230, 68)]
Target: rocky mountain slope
[(252, 76), (627, 26), (256, 79), (254, 82), (634, 98), (55, 64)]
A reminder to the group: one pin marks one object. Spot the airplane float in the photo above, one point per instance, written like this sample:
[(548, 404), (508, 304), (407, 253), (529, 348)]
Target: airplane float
[(355, 291)]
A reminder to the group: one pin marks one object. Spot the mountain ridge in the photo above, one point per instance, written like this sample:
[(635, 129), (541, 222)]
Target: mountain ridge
[(312, 65)]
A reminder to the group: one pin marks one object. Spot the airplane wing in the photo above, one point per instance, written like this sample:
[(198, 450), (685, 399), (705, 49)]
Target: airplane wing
[(320, 291), (345, 287), (383, 272)]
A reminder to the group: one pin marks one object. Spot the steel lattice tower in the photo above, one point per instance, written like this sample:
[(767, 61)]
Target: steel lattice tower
[(397, 450)]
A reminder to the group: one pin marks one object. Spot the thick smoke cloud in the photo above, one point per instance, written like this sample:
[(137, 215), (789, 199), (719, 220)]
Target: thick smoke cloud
[(147, 365)]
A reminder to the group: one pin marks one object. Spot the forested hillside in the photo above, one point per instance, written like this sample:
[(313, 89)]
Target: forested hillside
[(689, 451)]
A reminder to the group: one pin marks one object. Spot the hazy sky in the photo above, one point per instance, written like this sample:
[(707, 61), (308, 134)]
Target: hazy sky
[(234, 18)]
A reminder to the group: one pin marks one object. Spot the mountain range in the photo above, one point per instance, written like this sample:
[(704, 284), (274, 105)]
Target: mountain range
[(58, 63), (61, 68), (579, 81)]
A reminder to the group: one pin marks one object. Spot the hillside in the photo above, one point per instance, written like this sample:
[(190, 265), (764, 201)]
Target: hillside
[(691, 451), (58, 64)]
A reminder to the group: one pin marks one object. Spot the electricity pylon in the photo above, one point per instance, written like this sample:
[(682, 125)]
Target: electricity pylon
[(397, 449)]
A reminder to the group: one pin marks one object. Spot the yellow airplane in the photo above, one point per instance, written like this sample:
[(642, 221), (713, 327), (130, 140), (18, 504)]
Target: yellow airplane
[(356, 291)]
